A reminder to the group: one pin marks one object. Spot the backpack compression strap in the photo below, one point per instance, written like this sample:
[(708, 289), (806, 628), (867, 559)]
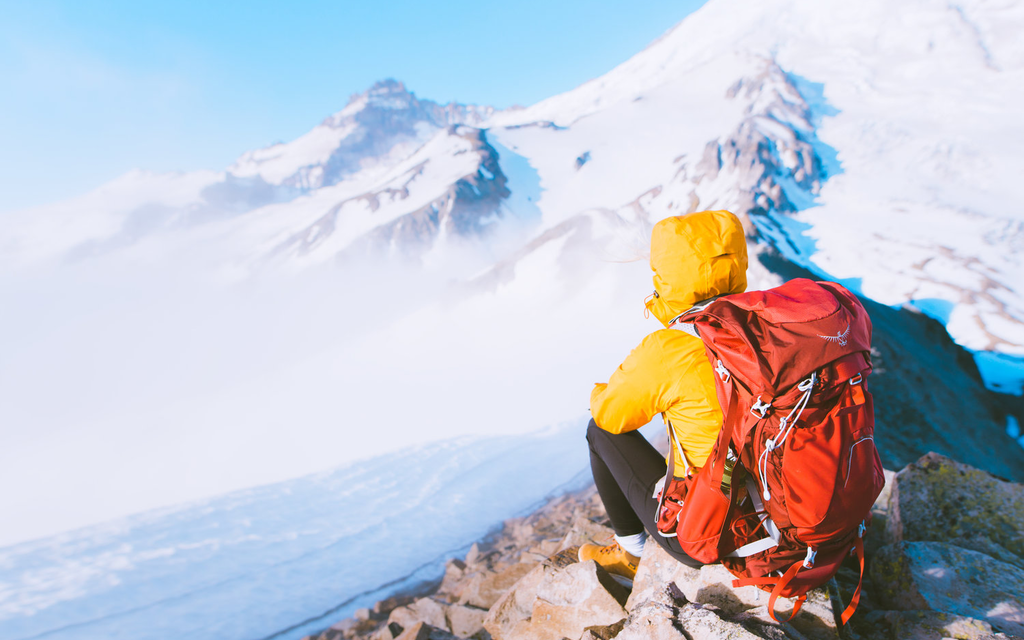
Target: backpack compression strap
[(781, 583)]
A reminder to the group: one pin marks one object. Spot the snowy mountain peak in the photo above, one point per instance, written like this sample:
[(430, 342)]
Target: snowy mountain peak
[(384, 94), (386, 121)]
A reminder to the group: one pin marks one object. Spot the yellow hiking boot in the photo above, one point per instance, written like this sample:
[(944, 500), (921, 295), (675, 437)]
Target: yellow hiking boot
[(612, 557)]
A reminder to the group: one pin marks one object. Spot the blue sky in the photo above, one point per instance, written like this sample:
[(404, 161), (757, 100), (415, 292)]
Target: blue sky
[(89, 90)]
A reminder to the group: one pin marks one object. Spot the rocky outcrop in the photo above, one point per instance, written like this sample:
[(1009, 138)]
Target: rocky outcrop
[(943, 500), (466, 208), (767, 165), (955, 557), (944, 562)]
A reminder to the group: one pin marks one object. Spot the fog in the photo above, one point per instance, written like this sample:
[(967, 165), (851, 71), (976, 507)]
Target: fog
[(127, 385)]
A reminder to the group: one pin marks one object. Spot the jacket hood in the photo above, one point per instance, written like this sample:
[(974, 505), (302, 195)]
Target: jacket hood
[(696, 257)]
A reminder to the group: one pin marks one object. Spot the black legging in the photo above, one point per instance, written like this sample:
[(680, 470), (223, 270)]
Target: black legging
[(626, 467)]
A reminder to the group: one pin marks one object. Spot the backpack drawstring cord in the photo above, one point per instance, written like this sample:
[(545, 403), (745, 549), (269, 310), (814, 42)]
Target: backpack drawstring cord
[(786, 425)]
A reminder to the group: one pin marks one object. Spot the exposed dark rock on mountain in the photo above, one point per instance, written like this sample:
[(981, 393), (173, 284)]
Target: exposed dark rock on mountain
[(390, 116), (466, 208)]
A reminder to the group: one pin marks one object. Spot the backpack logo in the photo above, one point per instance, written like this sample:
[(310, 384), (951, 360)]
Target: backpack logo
[(839, 337)]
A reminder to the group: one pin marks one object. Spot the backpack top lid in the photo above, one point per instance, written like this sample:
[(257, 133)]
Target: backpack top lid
[(771, 340)]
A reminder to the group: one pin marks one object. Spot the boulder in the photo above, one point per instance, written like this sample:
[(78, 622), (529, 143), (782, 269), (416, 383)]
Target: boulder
[(425, 610), (454, 574), (388, 631), (560, 596), (362, 614), (814, 622), (387, 605), (423, 631), (939, 499), (656, 616), (949, 579), (878, 534), (484, 588), (474, 555), (666, 615), (758, 622), (603, 632), (465, 621), (703, 621), (657, 570), (513, 610), (712, 585), (571, 599), (585, 530), (925, 625)]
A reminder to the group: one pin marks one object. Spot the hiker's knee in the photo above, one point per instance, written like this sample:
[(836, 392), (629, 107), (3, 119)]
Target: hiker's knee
[(593, 431)]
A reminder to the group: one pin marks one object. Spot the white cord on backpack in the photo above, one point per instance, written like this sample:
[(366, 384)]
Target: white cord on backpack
[(786, 424)]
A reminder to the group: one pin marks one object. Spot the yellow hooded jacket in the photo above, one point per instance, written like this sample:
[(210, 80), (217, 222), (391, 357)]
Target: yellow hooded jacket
[(694, 257)]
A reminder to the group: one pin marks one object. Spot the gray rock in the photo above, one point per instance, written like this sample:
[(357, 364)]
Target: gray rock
[(483, 589), (473, 556), (939, 499), (702, 621), (667, 616), (712, 585), (362, 614), (924, 625), (603, 632), (423, 631), (387, 632), (570, 600), (454, 572), (465, 621), (658, 569), (656, 617), (386, 606), (557, 598), (585, 530), (511, 613), (425, 610), (760, 623), (950, 579), (878, 534)]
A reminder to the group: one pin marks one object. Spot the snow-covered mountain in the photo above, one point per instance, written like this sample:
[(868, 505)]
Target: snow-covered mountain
[(874, 143), (392, 168), (385, 123)]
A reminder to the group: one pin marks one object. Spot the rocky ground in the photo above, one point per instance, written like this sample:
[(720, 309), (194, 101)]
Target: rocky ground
[(945, 560)]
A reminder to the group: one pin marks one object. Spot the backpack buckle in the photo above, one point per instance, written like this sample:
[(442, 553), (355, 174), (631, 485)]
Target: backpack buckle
[(760, 409), (722, 372), (857, 379), (812, 554)]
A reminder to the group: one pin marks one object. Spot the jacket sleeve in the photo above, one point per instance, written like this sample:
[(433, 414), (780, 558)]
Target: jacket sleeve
[(635, 392)]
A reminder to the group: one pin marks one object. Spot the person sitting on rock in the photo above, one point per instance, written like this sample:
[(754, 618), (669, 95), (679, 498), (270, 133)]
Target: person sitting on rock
[(695, 258)]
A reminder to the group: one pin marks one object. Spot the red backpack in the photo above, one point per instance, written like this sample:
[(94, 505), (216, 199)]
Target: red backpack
[(787, 492)]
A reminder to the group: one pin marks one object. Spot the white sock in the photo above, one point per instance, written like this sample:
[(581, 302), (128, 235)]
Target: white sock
[(634, 544)]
